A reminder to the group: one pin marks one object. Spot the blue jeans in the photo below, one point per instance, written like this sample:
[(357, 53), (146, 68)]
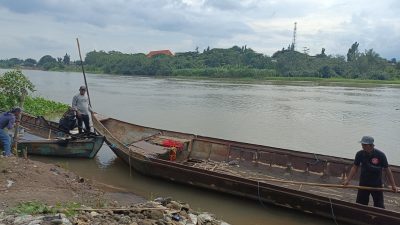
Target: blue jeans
[(6, 140)]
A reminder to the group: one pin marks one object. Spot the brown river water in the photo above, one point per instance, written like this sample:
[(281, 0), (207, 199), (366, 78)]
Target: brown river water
[(302, 116)]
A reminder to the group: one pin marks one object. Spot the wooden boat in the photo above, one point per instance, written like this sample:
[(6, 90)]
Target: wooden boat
[(45, 138), (266, 174)]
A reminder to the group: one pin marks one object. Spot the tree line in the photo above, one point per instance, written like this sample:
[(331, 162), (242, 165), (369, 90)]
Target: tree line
[(231, 62)]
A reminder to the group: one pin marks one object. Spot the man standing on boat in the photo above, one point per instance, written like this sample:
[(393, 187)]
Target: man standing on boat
[(80, 103), (372, 162), (7, 120)]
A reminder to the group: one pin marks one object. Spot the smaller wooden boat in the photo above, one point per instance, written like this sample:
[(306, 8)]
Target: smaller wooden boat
[(45, 138)]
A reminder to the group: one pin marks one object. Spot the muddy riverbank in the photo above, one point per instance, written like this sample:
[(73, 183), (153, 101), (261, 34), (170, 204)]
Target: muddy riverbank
[(33, 192)]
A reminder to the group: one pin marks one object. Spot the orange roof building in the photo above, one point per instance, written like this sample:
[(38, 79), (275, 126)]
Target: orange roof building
[(160, 52)]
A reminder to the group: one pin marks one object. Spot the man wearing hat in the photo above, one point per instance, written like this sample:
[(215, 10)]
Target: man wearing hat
[(372, 162), (80, 103), (7, 120)]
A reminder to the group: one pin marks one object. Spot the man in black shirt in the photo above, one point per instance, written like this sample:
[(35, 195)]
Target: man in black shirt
[(372, 162)]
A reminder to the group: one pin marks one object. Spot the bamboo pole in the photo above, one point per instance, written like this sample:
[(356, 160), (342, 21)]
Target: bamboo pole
[(83, 71), (16, 128), (120, 209), (323, 185)]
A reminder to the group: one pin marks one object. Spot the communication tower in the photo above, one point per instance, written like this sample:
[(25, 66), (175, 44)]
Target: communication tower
[(294, 37)]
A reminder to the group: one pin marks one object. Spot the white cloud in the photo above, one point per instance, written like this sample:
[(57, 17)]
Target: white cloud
[(38, 27)]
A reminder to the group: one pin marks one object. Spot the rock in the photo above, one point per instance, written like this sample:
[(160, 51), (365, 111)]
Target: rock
[(83, 218), (117, 217), (174, 205), (193, 218), (35, 222), (8, 219), (93, 214), (145, 222), (186, 207), (56, 222), (55, 171), (161, 222), (140, 216), (183, 213), (25, 219), (124, 220), (163, 201), (66, 221), (204, 218), (133, 223), (156, 214), (9, 183), (81, 180)]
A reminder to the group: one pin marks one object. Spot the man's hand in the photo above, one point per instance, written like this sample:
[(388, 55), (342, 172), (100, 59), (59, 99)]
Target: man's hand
[(345, 182), (394, 189)]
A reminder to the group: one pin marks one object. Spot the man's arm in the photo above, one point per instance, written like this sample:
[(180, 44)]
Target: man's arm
[(74, 102), (75, 105), (11, 122), (353, 171), (391, 178)]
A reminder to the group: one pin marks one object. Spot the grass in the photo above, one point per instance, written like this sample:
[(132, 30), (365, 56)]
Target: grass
[(43, 107), (35, 207)]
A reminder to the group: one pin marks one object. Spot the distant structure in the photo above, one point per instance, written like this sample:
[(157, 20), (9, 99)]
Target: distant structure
[(159, 52), (293, 47)]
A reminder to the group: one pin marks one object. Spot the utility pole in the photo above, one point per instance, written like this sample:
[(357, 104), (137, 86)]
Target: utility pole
[(294, 37)]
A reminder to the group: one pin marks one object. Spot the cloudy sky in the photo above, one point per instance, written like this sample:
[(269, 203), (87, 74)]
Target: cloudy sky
[(38, 27)]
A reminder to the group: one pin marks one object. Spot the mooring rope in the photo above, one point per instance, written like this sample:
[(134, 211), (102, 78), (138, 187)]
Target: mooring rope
[(259, 196), (333, 214), (130, 168)]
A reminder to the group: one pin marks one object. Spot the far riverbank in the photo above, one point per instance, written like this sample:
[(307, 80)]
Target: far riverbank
[(243, 80)]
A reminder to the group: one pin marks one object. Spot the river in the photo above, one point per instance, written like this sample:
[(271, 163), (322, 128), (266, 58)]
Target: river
[(302, 116)]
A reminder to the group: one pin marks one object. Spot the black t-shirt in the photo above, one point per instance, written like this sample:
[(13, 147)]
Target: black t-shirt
[(371, 167)]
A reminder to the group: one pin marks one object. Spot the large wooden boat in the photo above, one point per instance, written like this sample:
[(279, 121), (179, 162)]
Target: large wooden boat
[(45, 138), (267, 174)]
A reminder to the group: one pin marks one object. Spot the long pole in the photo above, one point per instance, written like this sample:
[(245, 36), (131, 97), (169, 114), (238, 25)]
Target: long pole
[(322, 185), (83, 71), (16, 128)]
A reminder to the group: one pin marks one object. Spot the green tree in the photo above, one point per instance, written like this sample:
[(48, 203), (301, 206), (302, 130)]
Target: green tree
[(352, 53), (13, 84), (66, 59), (29, 62), (47, 62)]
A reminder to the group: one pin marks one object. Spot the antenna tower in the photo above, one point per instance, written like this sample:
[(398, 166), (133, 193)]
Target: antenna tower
[(294, 36)]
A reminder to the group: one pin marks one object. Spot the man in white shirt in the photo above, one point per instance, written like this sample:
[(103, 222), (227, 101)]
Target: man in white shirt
[(80, 103)]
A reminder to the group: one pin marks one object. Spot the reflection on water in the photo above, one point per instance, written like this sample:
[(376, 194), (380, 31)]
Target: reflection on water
[(301, 116)]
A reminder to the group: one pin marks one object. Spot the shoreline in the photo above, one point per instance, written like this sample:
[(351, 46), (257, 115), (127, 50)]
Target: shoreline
[(33, 192), (249, 80)]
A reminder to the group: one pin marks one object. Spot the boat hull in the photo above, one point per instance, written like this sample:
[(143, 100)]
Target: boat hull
[(311, 203), (87, 148), (53, 142)]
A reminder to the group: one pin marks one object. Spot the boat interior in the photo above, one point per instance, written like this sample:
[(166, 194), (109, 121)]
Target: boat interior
[(271, 165)]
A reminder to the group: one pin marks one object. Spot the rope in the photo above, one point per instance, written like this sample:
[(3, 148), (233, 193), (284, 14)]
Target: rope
[(333, 214), (130, 168), (259, 196), (316, 161), (330, 201)]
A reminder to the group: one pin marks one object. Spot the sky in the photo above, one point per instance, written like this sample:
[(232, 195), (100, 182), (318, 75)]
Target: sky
[(34, 28)]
